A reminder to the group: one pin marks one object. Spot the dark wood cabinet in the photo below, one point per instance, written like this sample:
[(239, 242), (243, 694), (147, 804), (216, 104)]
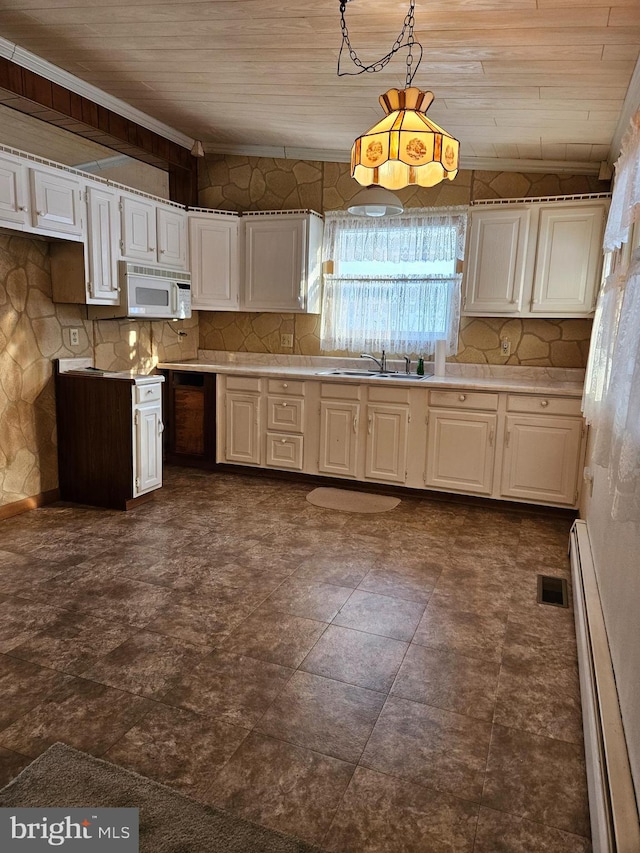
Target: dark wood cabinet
[(190, 418)]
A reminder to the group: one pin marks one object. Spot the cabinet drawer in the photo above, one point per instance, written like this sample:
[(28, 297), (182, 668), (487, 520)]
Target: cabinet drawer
[(148, 393), (335, 391), (284, 451), (243, 383), (286, 386), (464, 400), (541, 405), (285, 414), (388, 395)]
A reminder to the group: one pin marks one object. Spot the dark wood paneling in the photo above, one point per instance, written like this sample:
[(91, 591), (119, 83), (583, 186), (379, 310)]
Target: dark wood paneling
[(190, 418)]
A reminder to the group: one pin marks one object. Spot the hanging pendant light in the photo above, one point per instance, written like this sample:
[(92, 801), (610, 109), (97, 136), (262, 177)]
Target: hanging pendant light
[(375, 201), (404, 148)]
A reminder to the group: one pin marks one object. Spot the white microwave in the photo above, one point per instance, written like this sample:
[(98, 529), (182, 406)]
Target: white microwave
[(148, 293)]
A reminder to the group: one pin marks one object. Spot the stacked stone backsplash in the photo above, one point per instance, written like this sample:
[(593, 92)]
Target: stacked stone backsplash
[(33, 331), (252, 183)]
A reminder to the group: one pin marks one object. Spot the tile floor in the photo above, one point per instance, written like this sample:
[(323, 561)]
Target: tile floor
[(372, 684)]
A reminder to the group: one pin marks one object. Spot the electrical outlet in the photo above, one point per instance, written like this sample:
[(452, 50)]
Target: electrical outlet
[(505, 347), (286, 341), (74, 337)]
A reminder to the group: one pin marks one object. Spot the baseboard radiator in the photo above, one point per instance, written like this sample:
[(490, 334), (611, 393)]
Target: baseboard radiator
[(615, 826)]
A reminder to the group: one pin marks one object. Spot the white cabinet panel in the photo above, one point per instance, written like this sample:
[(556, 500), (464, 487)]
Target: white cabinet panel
[(284, 451), (285, 415), (338, 438), (148, 429), (496, 260), (102, 246), (242, 435), (386, 448), (13, 192), (172, 237), (568, 259), (138, 229), (461, 451), (56, 202), (215, 261), (542, 456)]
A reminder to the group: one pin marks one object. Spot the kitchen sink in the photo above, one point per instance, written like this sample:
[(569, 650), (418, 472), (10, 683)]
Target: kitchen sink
[(372, 374)]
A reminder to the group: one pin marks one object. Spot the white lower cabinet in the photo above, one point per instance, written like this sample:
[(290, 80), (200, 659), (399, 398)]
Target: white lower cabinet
[(386, 448), (147, 440), (461, 451), (339, 437), (284, 451), (242, 435)]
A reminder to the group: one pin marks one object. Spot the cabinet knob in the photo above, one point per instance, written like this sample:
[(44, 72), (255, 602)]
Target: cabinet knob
[(152, 249), (40, 212), (544, 403), (283, 441), (23, 209), (162, 251), (285, 384), (462, 397), (284, 405)]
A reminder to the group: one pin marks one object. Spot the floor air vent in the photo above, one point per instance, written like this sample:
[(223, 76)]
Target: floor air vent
[(552, 591)]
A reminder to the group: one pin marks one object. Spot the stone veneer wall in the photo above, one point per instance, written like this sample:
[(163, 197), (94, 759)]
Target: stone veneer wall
[(33, 331), (248, 183)]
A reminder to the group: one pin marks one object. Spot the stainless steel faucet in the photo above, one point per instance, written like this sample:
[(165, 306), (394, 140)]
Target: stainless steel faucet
[(381, 362), (407, 364)]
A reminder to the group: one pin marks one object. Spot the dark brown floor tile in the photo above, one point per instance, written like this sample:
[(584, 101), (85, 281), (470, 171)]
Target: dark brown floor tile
[(11, 764), (270, 554), (550, 550), (380, 614), (469, 589), (366, 660), (20, 572), (413, 580), (310, 599), (282, 786), (504, 833), (448, 681), (276, 637), (234, 688), (342, 570), (430, 746), (539, 693), (379, 814), (86, 715), (538, 778), (548, 629), (21, 619), (178, 748), (24, 685), (145, 664), (476, 635), (205, 620), (327, 716), (73, 640)]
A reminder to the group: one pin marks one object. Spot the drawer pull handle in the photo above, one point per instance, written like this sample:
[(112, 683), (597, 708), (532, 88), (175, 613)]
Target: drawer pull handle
[(491, 437), (370, 425), (544, 403), (462, 397), (355, 424), (160, 427), (285, 384)]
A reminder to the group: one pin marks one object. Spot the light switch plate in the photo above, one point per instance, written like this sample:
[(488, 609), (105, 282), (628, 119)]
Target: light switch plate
[(286, 341)]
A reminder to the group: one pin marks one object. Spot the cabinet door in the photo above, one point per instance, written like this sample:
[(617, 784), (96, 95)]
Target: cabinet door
[(138, 230), (284, 451), (148, 428), (461, 451), (496, 261), (275, 251), (13, 206), (242, 428), (56, 202), (102, 246), (386, 449), (215, 262), (172, 237), (542, 456), (568, 259), (338, 438)]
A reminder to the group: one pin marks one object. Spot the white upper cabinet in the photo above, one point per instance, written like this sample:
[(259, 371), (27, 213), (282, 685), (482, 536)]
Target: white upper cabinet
[(56, 203), (102, 246), (568, 259), (14, 210), (282, 261), (153, 233), (538, 259), (214, 254), (496, 260)]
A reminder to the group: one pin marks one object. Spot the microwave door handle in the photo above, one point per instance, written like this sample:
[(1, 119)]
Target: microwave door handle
[(174, 299)]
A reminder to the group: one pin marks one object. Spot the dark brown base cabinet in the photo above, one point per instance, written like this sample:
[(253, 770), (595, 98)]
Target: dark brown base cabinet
[(190, 418), (109, 439)]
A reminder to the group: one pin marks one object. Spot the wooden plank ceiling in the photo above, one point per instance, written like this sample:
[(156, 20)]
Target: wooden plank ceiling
[(532, 79)]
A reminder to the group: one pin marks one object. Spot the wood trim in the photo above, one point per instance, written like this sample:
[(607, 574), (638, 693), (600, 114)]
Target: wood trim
[(18, 507), (25, 91)]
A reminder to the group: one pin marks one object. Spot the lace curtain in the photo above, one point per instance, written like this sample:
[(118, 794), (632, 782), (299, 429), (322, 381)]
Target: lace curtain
[(404, 313), (625, 203)]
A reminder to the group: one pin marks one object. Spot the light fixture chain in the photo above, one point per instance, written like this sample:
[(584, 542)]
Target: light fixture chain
[(399, 44)]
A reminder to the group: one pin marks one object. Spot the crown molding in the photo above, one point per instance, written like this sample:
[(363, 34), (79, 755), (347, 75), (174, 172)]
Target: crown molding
[(629, 107), (485, 164), (28, 60)]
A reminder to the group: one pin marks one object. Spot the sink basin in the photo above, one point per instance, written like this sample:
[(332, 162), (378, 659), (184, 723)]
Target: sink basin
[(372, 374)]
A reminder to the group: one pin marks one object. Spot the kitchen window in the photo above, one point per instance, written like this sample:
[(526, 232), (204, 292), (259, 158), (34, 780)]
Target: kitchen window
[(394, 284)]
